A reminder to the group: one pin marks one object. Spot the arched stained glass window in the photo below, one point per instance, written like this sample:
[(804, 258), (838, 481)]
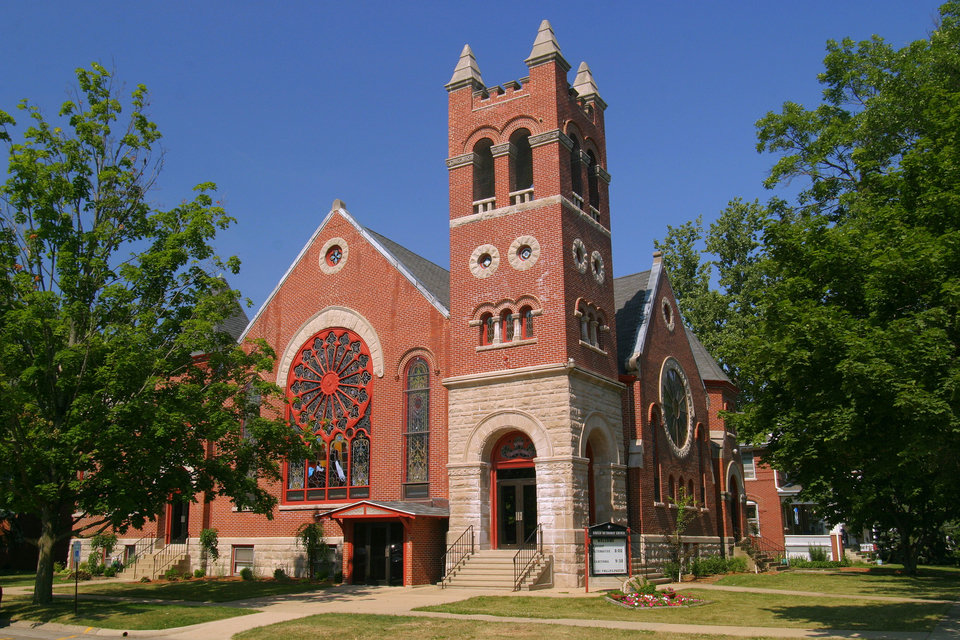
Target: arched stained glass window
[(329, 390), (417, 431)]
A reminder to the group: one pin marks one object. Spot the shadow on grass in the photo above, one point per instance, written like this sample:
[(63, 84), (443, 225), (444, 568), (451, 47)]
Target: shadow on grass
[(886, 616), (233, 592), (929, 582)]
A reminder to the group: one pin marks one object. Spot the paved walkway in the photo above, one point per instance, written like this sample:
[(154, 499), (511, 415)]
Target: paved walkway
[(402, 601)]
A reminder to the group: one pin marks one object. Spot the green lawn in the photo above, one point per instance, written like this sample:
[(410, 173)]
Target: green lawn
[(725, 608), (22, 579), (371, 627), (931, 582), (197, 590), (115, 615)]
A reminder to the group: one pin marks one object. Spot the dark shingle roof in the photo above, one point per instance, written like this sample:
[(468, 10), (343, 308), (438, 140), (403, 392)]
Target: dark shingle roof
[(433, 277), (709, 369), (629, 295), (236, 323)]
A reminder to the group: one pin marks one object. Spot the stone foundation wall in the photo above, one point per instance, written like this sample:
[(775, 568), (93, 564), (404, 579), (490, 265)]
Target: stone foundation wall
[(653, 551)]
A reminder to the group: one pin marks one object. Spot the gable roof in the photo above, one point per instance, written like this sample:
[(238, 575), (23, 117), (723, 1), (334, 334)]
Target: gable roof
[(412, 264), (236, 323), (709, 368), (630, 294), (433, 277)]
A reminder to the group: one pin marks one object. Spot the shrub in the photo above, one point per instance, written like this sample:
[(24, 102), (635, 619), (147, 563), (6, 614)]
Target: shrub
[(110, 571), (642, 586), (708, 566), (801, 563), (670, 569), (58, 567), (104, 542), (173, 574), (246, 573), (736, 565), (82, 574), (199, 573), (144, 579), (279, 574), (819, 554)]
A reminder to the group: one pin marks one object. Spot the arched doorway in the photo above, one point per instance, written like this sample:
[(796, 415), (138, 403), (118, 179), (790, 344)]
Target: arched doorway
[(735, 508), (514, 489)]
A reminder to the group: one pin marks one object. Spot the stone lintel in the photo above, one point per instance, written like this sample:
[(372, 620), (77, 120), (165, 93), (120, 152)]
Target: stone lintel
[(506, 148), (455, 162), (551, 136)]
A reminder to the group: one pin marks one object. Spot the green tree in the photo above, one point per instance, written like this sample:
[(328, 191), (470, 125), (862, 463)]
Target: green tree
[(118, 388), (853, 362), (731, 252)]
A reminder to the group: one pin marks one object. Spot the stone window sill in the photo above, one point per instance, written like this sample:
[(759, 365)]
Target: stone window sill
[(593, 348), (504, 345)]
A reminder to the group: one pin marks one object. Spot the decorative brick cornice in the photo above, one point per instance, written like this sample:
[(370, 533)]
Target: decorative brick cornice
[(456, 162)]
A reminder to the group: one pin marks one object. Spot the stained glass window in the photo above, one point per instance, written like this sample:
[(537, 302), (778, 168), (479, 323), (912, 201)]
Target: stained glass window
[(676, 407), (329, 390), (418, 420), (526, 316)]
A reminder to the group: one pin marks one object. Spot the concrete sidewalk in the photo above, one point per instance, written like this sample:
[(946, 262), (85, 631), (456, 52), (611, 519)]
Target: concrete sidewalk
[(402, 601)]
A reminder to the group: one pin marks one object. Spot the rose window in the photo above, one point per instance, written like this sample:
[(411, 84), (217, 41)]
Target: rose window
[(675, 400), (329, 391), (330, 385)]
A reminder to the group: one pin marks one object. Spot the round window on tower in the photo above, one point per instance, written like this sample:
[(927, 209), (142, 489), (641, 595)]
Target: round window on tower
[(580, 255), (596, 265), (524, 253), (484, 261)]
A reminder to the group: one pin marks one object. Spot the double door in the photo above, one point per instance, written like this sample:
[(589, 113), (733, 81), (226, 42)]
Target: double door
[(516, 506), (378, 553)]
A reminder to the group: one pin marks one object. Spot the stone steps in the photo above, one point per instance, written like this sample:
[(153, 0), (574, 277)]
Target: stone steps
[(493, 569)]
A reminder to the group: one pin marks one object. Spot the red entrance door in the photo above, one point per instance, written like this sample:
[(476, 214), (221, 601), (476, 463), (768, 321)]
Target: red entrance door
[(514, 490)]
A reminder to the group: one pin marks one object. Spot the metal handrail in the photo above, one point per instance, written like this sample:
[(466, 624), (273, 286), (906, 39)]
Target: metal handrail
[(456, 554), (146, 543), (170, 553), (767, 547), (527, 554)]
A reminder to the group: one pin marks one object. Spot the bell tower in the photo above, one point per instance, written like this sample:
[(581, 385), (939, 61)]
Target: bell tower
[(530, 260), (533, 349)]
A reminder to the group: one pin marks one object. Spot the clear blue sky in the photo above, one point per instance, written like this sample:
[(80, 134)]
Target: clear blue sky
[(288, 105)]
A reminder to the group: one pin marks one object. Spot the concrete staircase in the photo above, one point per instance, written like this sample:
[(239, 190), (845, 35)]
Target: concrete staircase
[(758, 559), (155, 564), (493, 569)]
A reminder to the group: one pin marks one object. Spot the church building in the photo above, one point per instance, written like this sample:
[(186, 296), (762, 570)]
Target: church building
[(507, 403)]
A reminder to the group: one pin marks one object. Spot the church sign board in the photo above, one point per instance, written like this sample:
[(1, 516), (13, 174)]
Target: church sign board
[(608, 549)]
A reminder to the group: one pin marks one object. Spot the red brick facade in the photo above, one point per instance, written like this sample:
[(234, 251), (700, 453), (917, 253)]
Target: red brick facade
[(536, 259)]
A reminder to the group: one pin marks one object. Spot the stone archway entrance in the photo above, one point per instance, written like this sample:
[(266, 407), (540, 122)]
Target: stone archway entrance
[(514, 490)]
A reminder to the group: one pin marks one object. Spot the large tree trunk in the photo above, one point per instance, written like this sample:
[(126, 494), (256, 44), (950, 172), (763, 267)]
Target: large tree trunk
[(43, 585), (909, 547)]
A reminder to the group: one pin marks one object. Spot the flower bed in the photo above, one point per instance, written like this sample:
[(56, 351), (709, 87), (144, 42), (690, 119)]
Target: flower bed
[(666, 598)]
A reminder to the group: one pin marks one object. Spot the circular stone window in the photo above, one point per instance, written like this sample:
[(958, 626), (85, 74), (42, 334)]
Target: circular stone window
[(484, 261), (333, 255), (676, 405), (669, 318), (596, 266), (523, 253), (580, 255)]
